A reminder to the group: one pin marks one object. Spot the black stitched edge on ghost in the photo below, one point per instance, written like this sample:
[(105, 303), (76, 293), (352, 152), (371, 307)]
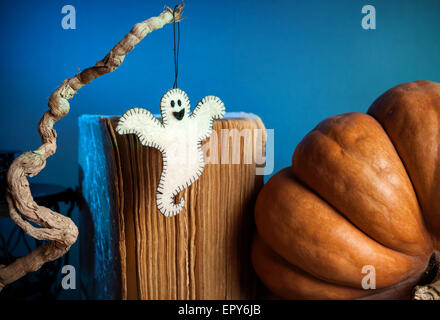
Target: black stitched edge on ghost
[(142, 138), (160, 188), (177, 207), (201, 167)]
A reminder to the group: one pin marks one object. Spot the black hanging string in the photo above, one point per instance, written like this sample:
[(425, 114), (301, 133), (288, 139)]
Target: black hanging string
[(176, 50)]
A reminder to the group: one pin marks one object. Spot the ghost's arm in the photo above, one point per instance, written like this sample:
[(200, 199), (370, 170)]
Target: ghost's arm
[(142, 123), (208, 109)]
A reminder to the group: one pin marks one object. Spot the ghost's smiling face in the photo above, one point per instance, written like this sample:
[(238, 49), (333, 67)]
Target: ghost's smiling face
[(178, 114), (174, 106)]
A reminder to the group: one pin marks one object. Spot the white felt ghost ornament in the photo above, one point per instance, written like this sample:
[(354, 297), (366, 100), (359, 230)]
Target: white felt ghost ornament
[(178, 136)]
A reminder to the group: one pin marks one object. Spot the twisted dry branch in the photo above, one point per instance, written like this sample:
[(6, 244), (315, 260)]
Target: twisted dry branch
[(58, 229)]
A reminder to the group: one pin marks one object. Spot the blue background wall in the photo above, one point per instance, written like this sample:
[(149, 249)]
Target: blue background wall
[(293, 63)]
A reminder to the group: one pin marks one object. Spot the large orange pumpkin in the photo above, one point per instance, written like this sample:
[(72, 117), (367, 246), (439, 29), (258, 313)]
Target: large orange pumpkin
[(363, 190)]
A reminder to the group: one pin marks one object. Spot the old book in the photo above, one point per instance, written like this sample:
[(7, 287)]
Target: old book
[(130, 250)]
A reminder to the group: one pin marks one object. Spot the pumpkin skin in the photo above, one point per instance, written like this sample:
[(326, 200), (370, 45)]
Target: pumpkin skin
[(362, 190)]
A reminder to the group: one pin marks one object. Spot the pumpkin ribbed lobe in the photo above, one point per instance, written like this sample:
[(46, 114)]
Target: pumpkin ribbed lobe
[(410, 115), (290, 282), (363, 190), (316, 239), (350, 162)]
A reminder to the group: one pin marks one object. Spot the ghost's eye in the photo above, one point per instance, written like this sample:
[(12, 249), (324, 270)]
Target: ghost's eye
[(179, 102), (172, 103)]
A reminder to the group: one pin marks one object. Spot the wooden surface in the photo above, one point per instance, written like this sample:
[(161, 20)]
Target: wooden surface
[(203, 252)]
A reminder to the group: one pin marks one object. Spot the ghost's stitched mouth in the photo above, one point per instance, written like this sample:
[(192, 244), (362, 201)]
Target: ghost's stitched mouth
[(179, 115)]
